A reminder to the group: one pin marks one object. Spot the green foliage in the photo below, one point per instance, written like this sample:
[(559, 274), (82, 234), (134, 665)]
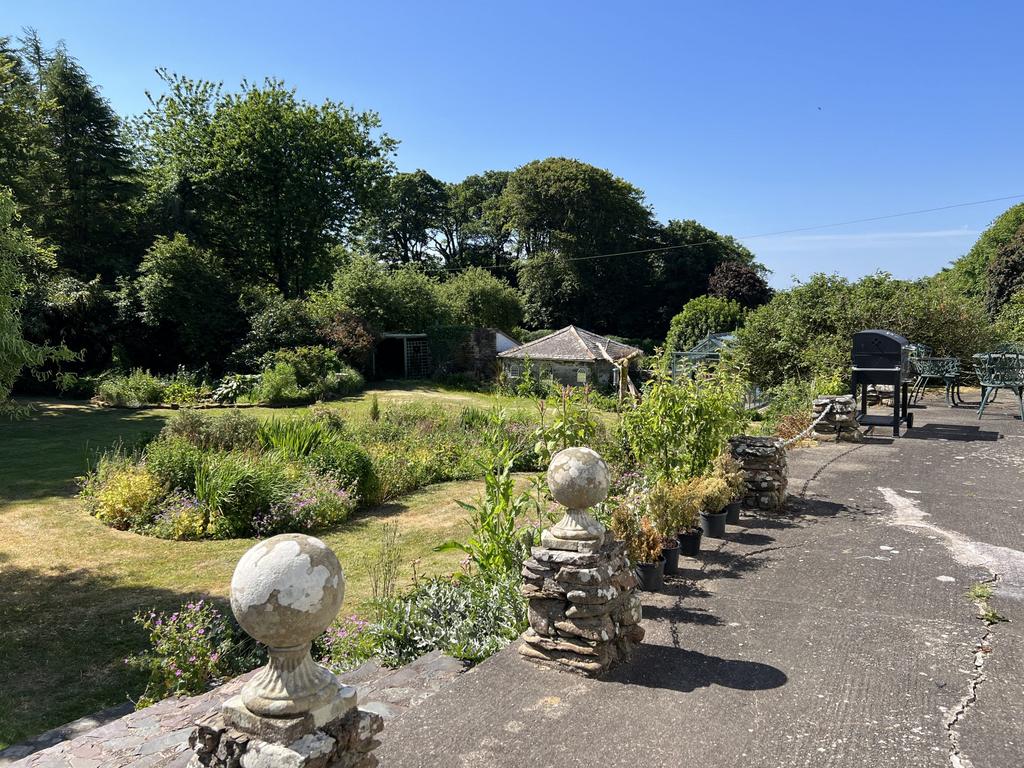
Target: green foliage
[(968, 275), (679, 427), (191, 649), (239, 490), (278, 385), (319, 373), (631, 524), (133, 390), (346, 644), (497, 545), (698, 318), (571, 423), (1011, 319), (807, 331), (1005, 272), (349, 463), (173, 461), (308, 172), (295, 437), (187, 299), (225, 431), (475, 297), (410, 207), (403, 299), (122, 493), (467, 617), (18, 251)]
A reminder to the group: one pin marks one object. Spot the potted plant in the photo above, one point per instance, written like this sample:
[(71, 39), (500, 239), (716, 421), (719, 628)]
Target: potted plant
[(687, 520), (643, 546), (660, 506), (729, 470), (714, 496), (674, 514)]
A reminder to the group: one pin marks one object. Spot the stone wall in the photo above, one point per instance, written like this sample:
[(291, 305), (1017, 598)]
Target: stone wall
[(764, 463), (841, 421)]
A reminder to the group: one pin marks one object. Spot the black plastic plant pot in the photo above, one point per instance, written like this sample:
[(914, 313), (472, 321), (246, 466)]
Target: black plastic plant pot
[(670, 555), (713, 524), (689, 542), (732, 513), (651, 575)]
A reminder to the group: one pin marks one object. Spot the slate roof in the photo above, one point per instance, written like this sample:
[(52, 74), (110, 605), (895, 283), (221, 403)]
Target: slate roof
[(573, 344)]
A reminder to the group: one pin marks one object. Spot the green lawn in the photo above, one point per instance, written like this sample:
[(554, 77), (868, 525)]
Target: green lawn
[(70, 585)]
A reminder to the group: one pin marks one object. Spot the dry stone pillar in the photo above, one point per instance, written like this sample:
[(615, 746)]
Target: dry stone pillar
[(764, 465), (285, 591), (584, 610), (840, 423)]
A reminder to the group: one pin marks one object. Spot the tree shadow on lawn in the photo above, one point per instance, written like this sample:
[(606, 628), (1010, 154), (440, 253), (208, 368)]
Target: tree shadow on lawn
[(64, 640), (677, 669), (44, 453)]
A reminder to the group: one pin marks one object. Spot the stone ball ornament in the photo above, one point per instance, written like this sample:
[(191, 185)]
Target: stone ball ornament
[(578, 478), (288, 589)]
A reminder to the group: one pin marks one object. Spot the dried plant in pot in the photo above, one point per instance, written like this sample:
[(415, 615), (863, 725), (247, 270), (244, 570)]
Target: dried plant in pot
[(643, 546), (673, 513), (715, 495), (730, 471)]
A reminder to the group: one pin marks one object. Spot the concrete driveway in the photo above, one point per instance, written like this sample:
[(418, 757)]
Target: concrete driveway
[(839, 634)]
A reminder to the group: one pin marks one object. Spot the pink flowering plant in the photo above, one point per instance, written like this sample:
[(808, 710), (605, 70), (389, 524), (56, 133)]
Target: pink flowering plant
[(318, 502), (190, 650), (345, 645)]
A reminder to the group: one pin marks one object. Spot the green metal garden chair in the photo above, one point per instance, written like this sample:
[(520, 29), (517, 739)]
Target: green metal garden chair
[(936, 369), (1000, 370)]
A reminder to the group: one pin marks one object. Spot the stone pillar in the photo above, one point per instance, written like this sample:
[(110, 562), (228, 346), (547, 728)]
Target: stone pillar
[(584, 610), (764, 464), (285, 591), (841, 421)]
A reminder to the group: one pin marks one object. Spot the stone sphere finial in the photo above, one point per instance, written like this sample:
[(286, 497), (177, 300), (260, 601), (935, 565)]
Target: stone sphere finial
[(287, 590), (578, 478)]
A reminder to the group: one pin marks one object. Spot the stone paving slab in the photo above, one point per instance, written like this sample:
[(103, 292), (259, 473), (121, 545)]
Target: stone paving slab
[(157, 737)]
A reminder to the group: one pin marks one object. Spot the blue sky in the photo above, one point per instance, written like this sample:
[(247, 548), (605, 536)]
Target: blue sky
[(750, 117)]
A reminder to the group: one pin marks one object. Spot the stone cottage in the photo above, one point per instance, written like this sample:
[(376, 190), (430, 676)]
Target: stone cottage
[(571, 356)]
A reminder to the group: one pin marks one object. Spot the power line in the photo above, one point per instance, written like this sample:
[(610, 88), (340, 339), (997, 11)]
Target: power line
[(662, 249)]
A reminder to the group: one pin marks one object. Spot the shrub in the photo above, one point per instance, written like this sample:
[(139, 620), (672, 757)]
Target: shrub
[(278, 385), (136, 389), (679, 427), (349, 463), (808, 330), (318, 502), (234, 386), (237, 489), (312, 364), (190, 649), (341, 383), (180, 516), (467, 617), (125, 495), (228, 431), (173, 461), (698, 318), (631, 525)]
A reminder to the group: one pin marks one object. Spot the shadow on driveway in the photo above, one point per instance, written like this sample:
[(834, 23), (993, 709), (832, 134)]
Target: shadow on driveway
[(677, 669)]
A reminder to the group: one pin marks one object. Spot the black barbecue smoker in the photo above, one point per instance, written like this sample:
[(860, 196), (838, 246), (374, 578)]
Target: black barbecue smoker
[(882, 357)]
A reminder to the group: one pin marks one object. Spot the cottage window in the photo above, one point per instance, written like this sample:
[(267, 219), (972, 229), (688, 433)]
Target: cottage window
[(515, 371), (581, 375)]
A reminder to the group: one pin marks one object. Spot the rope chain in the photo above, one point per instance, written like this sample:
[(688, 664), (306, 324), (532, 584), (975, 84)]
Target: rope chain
[(806, 432)]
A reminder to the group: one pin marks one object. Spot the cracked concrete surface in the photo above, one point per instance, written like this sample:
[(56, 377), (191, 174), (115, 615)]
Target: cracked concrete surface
[(833, 636)]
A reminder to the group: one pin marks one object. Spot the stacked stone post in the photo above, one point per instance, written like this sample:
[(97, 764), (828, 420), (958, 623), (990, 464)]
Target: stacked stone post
[(584, 609), (764, 465), (285, 591), (840, 423)]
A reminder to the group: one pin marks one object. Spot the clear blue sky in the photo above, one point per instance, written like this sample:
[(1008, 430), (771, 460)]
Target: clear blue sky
[(750, 117)]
